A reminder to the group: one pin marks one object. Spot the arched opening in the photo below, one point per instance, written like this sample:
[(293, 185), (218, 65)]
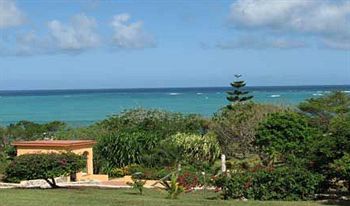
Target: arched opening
[(86, 169)]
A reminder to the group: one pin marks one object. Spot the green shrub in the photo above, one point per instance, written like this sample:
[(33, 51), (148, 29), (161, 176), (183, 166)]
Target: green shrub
[(116, 172), (282, 135), (330, 115), (284, 183), (44, 166), (27, 130), (122, 149), (342, 168), (137, 182), (235, 128), (157, 122), (323, 109), (196, 148), (172, 186), (164, 154)]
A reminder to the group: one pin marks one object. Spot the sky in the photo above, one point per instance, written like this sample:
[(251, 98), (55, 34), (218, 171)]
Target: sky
[(91, 44)]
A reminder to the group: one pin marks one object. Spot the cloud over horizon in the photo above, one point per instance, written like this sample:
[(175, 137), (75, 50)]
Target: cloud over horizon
[(77, 35), (10, 14), (130, 35), (326, 20)]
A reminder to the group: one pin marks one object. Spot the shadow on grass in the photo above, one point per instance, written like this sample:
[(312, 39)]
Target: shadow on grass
[(212, 198), (337, 202)]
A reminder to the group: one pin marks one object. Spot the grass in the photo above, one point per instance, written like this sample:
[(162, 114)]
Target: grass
[(123, 197)]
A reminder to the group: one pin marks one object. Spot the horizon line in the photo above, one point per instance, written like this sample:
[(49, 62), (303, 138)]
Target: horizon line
[(181, 87)]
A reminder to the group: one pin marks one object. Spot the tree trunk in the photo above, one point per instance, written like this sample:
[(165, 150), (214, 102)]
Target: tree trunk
[(52, 183)]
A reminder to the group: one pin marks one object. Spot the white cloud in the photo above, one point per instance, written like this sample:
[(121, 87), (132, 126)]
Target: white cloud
[(75, 36), (323, 19), (130, 35), (251, 42), (79, 34), (10, 15)]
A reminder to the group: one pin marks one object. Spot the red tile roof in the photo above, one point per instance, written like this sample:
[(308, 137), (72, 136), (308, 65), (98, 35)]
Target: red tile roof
[(54, 143)]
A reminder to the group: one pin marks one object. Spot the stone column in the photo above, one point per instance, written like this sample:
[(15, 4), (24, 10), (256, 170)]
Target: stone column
[(90, 165)]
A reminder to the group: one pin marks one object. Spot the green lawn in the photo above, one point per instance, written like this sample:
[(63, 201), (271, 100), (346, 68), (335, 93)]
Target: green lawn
[(124, 197)]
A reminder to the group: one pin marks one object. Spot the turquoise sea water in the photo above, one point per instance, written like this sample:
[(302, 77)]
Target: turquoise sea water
[(81, 107)]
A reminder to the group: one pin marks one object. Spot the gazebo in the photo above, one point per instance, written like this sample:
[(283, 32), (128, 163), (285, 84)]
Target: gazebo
[(81, 147)]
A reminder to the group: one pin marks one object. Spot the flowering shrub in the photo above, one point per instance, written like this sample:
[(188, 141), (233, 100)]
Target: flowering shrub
[(188, 181), (44, 166), (284, 183)]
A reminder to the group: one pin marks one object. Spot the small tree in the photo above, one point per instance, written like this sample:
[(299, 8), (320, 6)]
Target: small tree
[(236, 128), (237, 94), (282, 136), (323, 109), (137, 182), (172, 185), (44, 166)]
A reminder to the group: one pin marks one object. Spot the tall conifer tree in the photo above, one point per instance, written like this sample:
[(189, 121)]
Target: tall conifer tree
[(238, 94)]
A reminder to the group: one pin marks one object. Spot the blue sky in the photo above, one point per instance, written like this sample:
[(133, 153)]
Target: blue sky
[(68, 44)]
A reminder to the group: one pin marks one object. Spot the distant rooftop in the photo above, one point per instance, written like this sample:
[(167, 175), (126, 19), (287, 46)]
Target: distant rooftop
[(54, 143)]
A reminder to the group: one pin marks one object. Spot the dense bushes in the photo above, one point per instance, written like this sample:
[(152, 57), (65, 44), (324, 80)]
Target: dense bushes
[(342, 168), (160, 123), (122, 149), (148, 173), (330, 115), (141, 136), (196, 148), (323, 109), (236, 127), (26, 130), (44, 166), (283, 135), (284, 183)]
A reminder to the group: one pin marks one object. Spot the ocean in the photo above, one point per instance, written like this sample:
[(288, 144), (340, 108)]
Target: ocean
[(83, 107)]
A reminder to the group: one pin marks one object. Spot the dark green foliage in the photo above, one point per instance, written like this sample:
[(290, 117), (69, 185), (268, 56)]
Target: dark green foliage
[(26, 130), (142, 136), (93, 132), (331, 116), (160, 123), (283, 135), (236, 128), (324, 108), (164, 154), (237, 94), (124, 148), (342, 168), (284, 183), (44, 166), (330, 148), (339, 129), (137, 182)]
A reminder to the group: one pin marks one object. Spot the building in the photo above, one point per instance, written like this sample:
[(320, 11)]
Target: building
[(81, 147)]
